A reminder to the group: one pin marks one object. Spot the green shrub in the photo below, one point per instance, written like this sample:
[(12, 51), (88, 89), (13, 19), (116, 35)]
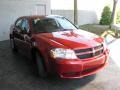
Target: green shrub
[(118, 17), (106, 16)]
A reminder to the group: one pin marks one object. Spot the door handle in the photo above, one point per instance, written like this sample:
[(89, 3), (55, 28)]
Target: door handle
[(26, 38)]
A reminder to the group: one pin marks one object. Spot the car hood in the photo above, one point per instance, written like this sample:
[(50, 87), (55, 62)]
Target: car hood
[(74, 38)]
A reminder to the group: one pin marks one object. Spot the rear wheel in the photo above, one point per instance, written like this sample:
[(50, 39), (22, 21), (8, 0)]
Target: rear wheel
[(12, 44), (40, 66)]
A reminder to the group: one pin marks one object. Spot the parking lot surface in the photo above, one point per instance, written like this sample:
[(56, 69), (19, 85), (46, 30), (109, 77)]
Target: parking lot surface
[(16, 73)]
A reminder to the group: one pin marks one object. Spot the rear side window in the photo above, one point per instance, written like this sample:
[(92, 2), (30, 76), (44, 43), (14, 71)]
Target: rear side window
[(18, 23), (25, 25)]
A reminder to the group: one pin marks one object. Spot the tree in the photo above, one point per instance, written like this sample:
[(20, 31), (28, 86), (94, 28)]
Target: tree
[(106, 15), (113, 13)]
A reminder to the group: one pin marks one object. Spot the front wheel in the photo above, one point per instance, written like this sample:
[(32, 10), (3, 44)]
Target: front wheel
[(40, 66)]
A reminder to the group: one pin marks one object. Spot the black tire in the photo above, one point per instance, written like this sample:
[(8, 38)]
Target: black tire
[(40, 66), (12, 44)]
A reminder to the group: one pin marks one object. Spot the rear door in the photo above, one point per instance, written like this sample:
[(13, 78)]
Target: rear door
[(22, 37), (16, 32), (25, 37)]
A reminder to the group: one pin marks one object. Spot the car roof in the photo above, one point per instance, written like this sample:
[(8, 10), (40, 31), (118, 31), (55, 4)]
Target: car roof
[(41, 16)]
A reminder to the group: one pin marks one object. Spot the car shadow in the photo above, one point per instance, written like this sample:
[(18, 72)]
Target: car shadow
[(26, 68), (70, 84), (17, 72)]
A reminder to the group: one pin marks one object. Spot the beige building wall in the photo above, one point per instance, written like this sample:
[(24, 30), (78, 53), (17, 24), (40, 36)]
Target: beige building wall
[(89, 11), (12, 9)]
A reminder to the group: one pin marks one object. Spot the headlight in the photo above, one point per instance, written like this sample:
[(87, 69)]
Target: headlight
[(62, 53)]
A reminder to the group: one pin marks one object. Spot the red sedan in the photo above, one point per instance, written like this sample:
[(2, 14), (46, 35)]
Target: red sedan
[(58, 47)]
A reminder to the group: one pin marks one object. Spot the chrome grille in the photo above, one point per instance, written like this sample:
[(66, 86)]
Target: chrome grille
[(89, 52)]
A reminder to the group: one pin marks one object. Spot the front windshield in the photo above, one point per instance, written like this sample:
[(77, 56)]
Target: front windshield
[(65, 24), (52, 25)]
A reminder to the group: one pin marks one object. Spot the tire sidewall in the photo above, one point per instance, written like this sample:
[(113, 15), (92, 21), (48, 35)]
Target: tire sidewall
[(40, 66), (12, 44)]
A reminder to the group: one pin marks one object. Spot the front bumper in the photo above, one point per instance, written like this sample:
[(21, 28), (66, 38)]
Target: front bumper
[(79, 68)]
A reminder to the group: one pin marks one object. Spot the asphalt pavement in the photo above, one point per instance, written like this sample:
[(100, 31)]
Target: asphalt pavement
[(17, 73)]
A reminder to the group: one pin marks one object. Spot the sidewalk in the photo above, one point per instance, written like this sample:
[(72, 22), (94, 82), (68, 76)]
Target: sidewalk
[(116, 26), (114, 47)]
